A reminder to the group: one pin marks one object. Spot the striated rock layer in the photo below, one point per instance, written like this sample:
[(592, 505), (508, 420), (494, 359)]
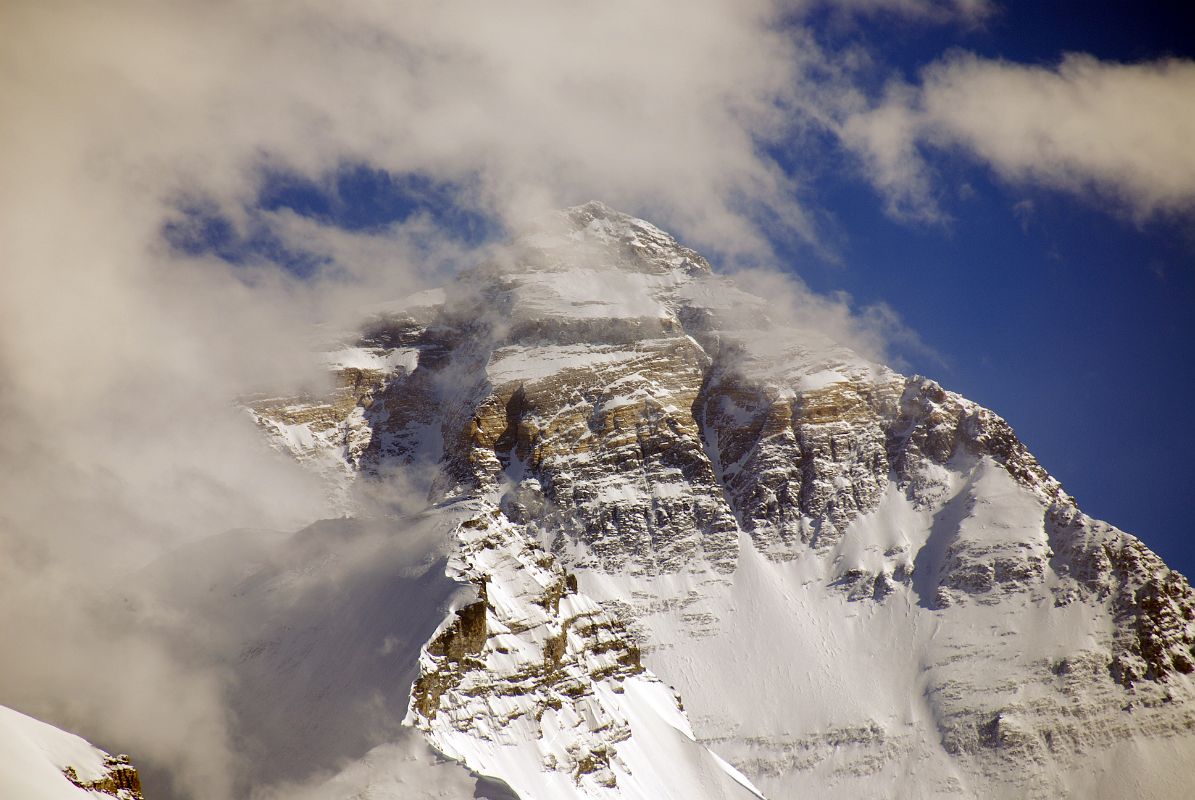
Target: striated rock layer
[(860, 583)]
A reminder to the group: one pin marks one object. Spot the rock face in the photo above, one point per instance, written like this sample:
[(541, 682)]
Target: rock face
[(531, 659), (859, 582), (120, 779)]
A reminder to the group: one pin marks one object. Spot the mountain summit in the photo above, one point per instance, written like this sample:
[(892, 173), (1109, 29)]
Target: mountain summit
[(677, 527)]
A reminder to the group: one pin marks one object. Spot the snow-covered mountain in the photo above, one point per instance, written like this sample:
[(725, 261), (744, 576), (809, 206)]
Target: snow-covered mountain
[(680, 545), (860, 584)]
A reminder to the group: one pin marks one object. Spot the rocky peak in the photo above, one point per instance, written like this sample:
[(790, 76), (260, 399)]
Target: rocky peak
[(598, 237)]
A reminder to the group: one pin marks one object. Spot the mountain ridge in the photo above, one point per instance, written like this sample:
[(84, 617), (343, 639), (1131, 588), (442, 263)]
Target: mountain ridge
[(663, 480)]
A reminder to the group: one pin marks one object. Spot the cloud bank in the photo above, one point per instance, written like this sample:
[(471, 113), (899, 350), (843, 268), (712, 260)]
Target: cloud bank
[(1119, 134), (531, 107)]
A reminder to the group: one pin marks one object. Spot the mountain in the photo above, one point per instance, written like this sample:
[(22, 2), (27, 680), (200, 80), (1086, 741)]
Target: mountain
[(646, 534)]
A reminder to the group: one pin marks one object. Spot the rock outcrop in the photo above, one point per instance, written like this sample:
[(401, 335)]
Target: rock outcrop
[(531, 656), (120, 779)]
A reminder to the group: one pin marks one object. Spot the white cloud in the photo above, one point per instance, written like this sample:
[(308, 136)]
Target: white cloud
[(120, 357), (545, 103), (1116, 133), (885, 138)]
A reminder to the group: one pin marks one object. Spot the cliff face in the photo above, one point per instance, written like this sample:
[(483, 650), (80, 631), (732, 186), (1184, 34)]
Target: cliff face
[(532, 669), (858, 581)]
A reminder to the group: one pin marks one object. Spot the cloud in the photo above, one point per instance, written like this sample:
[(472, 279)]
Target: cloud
[(121, 354), (1115, 133), (828, 322), (537, 106), (885, 138)]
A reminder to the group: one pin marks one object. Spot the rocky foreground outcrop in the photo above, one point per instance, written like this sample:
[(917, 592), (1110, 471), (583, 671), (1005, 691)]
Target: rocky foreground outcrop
[(41, 762), (120, 779)]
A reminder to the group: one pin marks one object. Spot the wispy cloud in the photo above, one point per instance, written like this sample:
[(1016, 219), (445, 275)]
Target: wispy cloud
[(1114, 134)]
